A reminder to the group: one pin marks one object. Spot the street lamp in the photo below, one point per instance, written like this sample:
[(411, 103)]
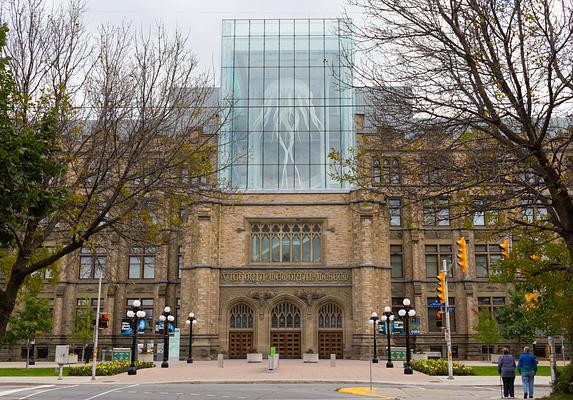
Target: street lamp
[(190, 321), (166, 317), (135, 315), (406, 312), (372, 321), (388, 317)]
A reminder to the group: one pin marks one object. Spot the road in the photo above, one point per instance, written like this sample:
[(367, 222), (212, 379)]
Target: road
[(243, 392)]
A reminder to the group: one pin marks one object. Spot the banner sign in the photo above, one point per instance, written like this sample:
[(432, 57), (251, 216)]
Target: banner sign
[(397, 327)]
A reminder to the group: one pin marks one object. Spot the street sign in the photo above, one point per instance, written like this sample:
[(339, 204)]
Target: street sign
[(121, 354), (451, 308), (435, 304)]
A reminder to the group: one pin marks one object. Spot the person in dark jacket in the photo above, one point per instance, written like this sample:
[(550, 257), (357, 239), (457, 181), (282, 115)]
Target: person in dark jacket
[(506, 368), (527, 367)]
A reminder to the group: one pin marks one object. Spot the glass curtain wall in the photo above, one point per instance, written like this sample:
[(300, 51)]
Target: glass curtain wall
[(287, 84)]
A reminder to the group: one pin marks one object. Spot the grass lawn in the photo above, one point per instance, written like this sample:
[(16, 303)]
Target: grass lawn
[(30, 372), (491, 370)]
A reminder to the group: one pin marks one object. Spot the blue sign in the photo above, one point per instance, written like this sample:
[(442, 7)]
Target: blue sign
[(126, 327), (435, 304), (451, 308), (142, 325), (159, 327), (397, 327)]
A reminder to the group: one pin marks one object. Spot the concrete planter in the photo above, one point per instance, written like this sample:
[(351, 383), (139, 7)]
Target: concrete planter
[(145, 357), (255, 357), (310, 357), (419, 356)]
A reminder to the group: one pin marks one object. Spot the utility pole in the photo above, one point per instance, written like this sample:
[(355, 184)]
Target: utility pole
[(96, 328), (447, 331)]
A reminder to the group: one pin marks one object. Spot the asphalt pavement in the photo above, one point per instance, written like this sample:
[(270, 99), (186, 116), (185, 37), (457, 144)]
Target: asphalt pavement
[(244, 392)]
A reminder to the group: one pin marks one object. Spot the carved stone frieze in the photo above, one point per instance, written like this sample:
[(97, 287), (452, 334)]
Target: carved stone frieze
[(262, 297), (309, 297)]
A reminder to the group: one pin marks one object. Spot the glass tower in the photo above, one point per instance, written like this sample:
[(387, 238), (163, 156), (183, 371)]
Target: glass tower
[(288, 86)]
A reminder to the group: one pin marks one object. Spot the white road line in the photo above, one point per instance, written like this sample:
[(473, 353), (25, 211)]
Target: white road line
[(111, 391), (12, 391), (44, 391)]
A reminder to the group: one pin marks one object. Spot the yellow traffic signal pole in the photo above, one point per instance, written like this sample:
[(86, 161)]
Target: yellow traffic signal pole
[(96, 328), (447, 333)]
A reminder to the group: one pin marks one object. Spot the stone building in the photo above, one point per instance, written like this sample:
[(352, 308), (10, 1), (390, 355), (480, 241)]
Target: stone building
[(294, 258)]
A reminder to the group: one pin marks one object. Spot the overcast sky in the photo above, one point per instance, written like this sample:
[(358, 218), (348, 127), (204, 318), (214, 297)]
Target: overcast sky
[(201, 19)]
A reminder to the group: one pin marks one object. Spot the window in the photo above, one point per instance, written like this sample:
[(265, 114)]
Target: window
[(437, 213), (51, 303), (141, 263), (286, 243), (532, 211), (179, 260), (92, 263), (395, 210), (241, 317), (81, 308), (387, 171), (285, 315), (434, 323), (397, 305), (147, 306), (483, 217), (486, 255), (396, 261), (177, 313), (491, 304), (435, 254), (330, 316)]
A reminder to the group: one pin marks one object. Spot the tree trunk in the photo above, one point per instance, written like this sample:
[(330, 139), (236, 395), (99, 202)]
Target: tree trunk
[(8, 299), (84, 353), (27, 352)]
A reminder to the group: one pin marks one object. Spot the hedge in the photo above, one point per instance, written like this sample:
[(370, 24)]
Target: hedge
[(108, 368), (440, 367), (564, 382)]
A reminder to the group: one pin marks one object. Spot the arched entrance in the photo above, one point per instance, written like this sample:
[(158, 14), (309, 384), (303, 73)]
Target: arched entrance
[(330, 334), (285, 330), (240, 330)]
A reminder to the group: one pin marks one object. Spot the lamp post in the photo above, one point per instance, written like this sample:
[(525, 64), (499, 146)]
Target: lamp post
[(373, 320), (166, 317), (406, 312), (190, 321), (135, 315), (388, 317)]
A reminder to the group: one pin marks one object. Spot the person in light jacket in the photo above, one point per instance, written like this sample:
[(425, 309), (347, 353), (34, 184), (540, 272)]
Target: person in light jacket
[(527, 367), (506, 369)]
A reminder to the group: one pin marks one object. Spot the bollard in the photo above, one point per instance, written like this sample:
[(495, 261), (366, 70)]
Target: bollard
[(333, 360), (220, 358)]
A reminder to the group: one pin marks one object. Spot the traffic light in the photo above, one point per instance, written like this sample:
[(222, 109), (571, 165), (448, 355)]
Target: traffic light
[(441, 287), (104, 321), (463, 254), (504, 248), (439, 318)]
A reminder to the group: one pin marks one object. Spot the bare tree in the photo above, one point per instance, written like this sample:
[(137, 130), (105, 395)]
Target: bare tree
[(472, 99), (133, 122)]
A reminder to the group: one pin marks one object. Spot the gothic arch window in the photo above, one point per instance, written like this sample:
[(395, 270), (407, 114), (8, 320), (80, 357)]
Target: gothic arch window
[(330, 317), (286, 243), (285, 316), (241, 317)]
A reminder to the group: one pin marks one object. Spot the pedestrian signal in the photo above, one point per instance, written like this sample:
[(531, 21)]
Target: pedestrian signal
[(462, 254), (104, 321), (441, 287)]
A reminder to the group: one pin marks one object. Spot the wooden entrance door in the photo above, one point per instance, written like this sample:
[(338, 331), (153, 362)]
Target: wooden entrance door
[(330, 343), (239, 342), (287, 343)]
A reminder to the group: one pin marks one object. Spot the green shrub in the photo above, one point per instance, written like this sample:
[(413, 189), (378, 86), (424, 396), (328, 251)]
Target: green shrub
[(108, 368), (440, 367), (564, 382)]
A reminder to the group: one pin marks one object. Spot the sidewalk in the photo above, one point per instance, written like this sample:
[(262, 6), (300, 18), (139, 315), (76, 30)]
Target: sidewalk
[(290, 371)]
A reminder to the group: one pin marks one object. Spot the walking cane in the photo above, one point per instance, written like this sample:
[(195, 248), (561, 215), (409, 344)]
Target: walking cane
[(500, 387)]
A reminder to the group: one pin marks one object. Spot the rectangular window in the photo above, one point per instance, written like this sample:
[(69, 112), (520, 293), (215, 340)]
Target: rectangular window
[(179, 260), (396, 305), (395, 210), (396, 261), (486, 255), (81, 305), (386, 171), (437, 320), (491, 304), (435, 254), (141, 263), (178, 313), (286, 243), (92, 262), (436, 213)]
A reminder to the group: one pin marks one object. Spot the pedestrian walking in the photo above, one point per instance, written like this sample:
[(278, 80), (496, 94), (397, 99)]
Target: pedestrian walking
[(527, 367), (506, 369)]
